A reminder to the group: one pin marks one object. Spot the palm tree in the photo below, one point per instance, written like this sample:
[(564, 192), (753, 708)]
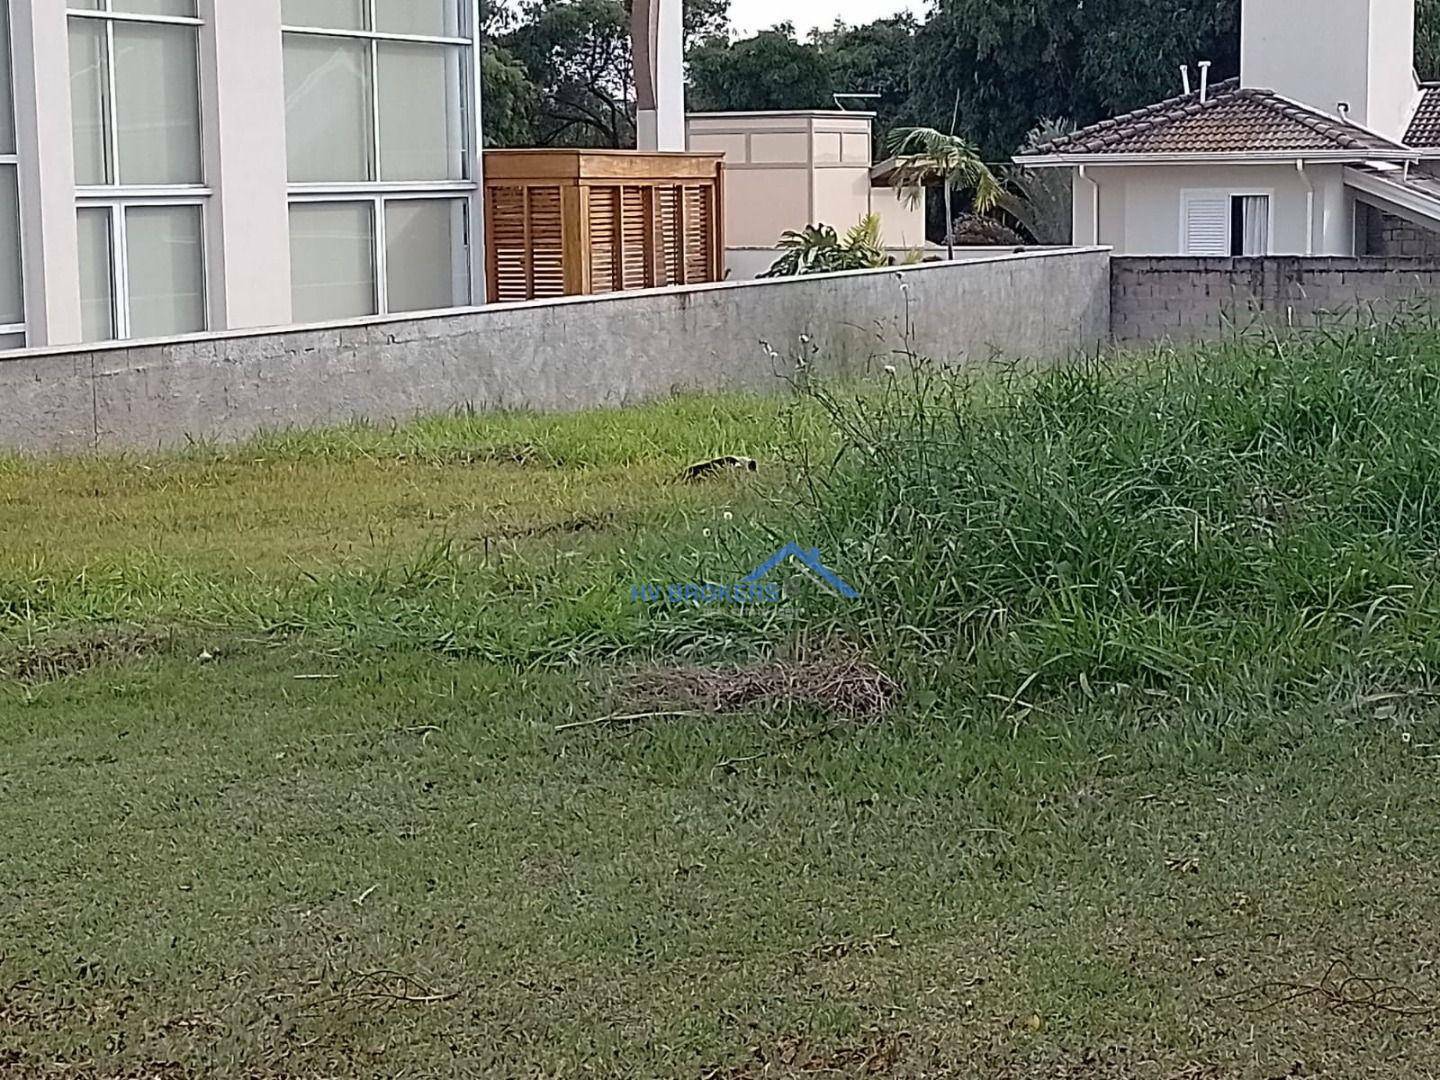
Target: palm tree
[(926, 156)]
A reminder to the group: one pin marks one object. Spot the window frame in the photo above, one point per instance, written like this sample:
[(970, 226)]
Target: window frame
[(468, 45), (112, 116), (12, 161), (117, 206), (1269, 197), (378, 202), (117, 197), (1188, 195), (378, 193)]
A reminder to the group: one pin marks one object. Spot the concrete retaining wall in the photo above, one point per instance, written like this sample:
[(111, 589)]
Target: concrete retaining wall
[(1184, 299), (548, 356)]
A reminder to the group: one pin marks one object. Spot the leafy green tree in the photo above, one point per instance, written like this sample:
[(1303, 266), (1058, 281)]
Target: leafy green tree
[(768, 71), (559, 72), (1000, 65), (873, 59), (511, 100), (924, 156), (1041, 200), (1427, 39), (577, 53)]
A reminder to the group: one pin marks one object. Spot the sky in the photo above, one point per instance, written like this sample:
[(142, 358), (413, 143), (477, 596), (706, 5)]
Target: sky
[(749, 16)]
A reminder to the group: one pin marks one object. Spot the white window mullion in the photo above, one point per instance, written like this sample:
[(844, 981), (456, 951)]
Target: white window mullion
[(375, 157), (382, 289), (120, 270), (112, 110)]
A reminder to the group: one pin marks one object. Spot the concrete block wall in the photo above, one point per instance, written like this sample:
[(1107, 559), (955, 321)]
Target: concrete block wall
[(1388, 236), (1186, 299), (559, 355)]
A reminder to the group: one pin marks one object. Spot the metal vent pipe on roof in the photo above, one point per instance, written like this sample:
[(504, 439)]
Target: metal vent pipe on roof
[(1204, 67), (1185, 77)]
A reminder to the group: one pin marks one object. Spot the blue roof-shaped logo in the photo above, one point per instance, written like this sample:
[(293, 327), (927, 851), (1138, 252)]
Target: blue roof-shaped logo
[(808, 558)]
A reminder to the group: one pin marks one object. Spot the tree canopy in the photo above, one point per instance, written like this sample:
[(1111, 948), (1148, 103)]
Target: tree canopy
[(557, 72)]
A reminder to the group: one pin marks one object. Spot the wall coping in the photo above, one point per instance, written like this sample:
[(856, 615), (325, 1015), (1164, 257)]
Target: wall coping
[(717, 287)]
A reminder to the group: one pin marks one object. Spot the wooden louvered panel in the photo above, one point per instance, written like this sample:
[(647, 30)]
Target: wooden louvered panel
[(699, 235), (670, 232), (604, 239), (567, 222), (637, 272), (507, 243), (547, 243)]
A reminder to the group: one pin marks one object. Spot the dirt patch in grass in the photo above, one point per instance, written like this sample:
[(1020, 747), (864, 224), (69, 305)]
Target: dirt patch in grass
[(875, 1054), (53, 660), (846, 685)]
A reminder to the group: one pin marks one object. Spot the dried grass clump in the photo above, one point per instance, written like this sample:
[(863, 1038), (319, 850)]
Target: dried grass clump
[(848, 686), (58, 660)]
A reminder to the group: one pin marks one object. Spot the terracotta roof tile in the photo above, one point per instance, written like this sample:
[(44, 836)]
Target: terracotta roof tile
[(1425, 125), (1232, 119)]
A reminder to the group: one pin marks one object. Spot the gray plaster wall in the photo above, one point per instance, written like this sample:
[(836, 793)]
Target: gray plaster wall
[(554, 356), (1188, 299)]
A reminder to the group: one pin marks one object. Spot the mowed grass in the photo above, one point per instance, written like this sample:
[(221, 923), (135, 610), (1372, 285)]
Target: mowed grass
[(302, 773)]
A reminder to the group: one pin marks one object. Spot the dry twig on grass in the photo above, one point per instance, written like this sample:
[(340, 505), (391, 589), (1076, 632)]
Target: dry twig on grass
[(1339, 990)]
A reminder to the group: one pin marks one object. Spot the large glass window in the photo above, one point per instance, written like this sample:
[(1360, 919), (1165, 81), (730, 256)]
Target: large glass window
[(426, 265), (332, 260), (364, 106), (142, 270), (376, 95), (12, 293), (340, 268), (7, 97), (184, 9), (135, 102), (12, 288), (421, 127), (97, 275), (329, 131)]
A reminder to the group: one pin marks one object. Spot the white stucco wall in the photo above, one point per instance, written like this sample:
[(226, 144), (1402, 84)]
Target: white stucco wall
[(1140, 206), (1358, 51), (785, 170)]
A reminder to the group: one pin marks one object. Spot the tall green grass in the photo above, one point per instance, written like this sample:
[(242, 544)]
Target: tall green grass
[(1256, 514)]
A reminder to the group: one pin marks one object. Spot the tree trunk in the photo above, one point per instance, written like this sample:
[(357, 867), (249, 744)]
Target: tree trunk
[(949, 226)]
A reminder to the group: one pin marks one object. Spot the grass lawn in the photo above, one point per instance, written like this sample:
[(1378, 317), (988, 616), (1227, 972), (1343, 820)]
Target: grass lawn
[(301, 775)]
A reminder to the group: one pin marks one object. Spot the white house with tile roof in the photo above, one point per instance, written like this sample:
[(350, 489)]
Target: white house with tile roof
[(1325, 132)]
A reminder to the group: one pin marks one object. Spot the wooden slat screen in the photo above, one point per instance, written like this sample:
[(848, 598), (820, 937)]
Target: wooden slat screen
[(549, 236), (527, 243), (637, 273), (699, 234), (604, 239), (547, 243), (508, 251), (670, 228)]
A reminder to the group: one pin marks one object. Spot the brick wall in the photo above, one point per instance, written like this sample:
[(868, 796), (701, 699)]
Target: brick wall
[(1185, 299)]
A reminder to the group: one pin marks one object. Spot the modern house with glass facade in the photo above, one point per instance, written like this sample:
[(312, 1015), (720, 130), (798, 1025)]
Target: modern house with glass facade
[(222, 164)]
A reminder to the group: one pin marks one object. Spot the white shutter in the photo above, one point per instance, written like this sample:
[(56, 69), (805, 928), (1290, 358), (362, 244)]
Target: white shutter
[(1206, 224)]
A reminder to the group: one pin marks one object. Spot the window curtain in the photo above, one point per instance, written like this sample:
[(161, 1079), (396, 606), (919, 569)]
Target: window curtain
[(1256, 215)]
